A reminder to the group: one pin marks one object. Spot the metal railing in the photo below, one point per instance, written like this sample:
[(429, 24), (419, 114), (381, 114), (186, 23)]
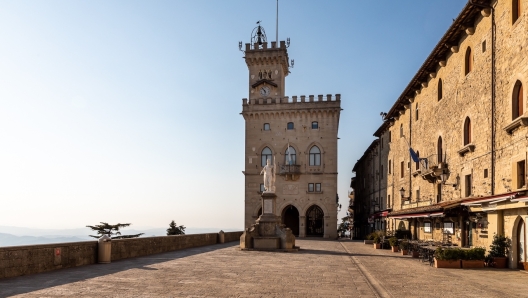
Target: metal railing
[(290, 169)]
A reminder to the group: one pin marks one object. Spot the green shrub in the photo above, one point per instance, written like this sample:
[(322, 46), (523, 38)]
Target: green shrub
[(448, 254), (370, 236), (393, 241), (500, 246), (477, 253), (377, 238), (404, 245)]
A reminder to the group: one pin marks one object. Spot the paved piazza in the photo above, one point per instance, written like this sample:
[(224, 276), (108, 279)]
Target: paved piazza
[(320, 269)]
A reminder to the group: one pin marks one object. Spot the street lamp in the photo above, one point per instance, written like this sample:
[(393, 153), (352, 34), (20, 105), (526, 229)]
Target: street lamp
[(402, 193)]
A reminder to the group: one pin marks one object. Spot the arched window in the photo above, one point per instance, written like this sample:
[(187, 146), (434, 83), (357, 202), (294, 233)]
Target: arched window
[(416, 116), (440, 91), (468, 65), (517, 100), (290, 157), (401, 130), (467, 131), (290, 126), (418, 163), (516, 10), (315, 125), (265, 155), (439, 150), (266, 126), (315, 156)]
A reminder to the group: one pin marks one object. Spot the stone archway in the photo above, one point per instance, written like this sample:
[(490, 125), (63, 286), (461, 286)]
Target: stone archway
[(314, 222), (519, 244), (290, 218)]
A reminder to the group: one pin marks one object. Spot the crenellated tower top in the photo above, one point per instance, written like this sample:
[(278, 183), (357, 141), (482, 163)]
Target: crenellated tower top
[(268, 65)]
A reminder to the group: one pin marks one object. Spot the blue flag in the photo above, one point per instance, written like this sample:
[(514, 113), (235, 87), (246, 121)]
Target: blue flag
[(414, 156)]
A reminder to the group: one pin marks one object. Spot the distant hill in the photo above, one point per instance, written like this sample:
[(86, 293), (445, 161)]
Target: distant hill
[(13, 236), (12, 240)]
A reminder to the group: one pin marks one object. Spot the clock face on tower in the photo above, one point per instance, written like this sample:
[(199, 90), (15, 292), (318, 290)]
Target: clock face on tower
[(265, 91)]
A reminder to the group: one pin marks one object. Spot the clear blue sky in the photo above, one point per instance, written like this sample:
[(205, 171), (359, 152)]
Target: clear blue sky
[(128, 111)]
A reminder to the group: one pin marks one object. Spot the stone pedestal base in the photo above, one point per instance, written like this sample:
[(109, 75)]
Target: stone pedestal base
[(266, 242), (268, 233)]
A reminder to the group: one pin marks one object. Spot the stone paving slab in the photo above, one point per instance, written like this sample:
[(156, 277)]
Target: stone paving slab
[(320, 269), (404, 276)]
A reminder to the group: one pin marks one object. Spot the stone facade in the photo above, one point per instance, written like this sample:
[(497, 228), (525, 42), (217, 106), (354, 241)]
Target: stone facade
[(459, 115), (306, 190)]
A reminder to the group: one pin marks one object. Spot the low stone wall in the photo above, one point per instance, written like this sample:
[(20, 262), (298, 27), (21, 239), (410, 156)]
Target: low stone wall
[(24, 260), (232, 236)]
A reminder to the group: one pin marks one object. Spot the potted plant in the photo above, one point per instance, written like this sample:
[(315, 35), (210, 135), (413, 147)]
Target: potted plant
[(474, 258), (377, 241), (498, 250), (393, 241), (404, 247), (447, 258), (369, 239)]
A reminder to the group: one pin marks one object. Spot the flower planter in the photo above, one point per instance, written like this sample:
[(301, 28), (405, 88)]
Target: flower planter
[(415, 254), (368, 241), (394, 248), (377, 245), (472, 264), (404, 252), (447, 263), (500, 262)]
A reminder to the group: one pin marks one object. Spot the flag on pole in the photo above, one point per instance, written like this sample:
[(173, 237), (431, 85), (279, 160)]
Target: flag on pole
[(289, 155), (414, 156)]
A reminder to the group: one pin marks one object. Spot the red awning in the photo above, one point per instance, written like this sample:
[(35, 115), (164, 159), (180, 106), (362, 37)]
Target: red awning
[(415, 215), (479, 201)]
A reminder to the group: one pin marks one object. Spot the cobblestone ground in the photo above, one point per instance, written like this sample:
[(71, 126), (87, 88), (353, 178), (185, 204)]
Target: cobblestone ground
[(320, 269)]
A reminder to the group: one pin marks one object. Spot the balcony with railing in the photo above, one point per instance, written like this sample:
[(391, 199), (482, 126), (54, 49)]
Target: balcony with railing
[(289, 169), (431, 168)]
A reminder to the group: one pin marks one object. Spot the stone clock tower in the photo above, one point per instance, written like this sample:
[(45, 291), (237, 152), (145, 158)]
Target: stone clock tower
[(298, 135)]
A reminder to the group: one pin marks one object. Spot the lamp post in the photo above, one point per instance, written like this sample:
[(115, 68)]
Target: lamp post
[(402, 193)]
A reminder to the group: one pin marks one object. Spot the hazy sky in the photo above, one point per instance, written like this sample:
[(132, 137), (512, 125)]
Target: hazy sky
[(128, 111)]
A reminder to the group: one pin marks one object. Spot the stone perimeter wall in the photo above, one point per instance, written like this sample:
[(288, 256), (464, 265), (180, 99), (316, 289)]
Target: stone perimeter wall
[(31, 259)]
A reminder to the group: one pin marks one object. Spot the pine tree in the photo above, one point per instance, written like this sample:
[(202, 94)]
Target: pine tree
[(175, 230), (111, 230)]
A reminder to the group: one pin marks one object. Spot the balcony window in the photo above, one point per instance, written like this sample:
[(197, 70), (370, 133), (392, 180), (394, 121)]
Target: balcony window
[(290, 156)]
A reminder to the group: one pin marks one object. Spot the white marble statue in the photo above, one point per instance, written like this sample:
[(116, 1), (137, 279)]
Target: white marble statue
[(269, 176)]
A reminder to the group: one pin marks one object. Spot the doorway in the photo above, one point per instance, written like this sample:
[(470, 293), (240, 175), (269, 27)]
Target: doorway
[(521, 244), (290, 218), (315, 222)]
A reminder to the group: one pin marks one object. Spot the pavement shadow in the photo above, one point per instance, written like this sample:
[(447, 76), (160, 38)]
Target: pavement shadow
[(34, 282)]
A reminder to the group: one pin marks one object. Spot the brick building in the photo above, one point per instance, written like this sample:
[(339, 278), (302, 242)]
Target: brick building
[(463, 114)]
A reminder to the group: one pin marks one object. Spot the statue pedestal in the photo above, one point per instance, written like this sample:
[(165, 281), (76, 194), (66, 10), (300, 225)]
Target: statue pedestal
[(268, 233)]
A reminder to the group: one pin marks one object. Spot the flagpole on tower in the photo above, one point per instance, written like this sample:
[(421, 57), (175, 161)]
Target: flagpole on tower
[(277, 26)]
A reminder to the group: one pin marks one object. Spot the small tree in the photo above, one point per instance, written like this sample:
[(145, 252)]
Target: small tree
[(175, 230), (111, 230), (500, 246)]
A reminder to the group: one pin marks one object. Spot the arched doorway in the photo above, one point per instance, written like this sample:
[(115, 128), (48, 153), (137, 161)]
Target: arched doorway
[(521, 244), (290, 218), (314, 222)]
